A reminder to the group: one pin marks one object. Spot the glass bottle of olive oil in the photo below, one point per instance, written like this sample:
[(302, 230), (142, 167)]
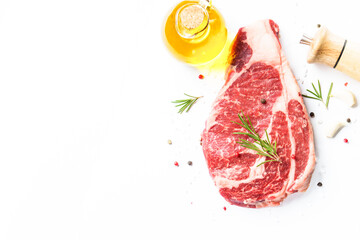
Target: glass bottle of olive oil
[(195, 32)]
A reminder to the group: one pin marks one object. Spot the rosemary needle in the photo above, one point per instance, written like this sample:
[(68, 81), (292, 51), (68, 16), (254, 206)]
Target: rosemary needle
[(263, 147), (329, 95), (186, 104)]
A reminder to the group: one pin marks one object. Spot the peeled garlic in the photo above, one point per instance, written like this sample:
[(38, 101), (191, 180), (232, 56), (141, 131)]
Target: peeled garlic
[(332, 128), (346, 96)]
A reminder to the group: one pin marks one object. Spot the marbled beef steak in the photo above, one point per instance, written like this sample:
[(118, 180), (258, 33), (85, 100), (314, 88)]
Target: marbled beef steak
[(259, 70)]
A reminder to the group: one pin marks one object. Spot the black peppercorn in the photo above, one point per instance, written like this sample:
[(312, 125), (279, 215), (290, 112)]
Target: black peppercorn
[(319, 184), (348, 120), (312, 114), (190, 163), (263, 101)]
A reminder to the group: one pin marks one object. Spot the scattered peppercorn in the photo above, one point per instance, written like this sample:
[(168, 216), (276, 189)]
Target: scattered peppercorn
[(312, 114), (348, 120), (319, 25), (319, 184), (190, 163), (346, 140), (169, 142), (201, 76), (176, 163), (263, 101)]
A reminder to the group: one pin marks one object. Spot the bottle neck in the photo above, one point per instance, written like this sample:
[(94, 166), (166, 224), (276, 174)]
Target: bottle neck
[(192, 21)]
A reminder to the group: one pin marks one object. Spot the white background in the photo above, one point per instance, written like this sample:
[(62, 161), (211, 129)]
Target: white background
[(86, 115)]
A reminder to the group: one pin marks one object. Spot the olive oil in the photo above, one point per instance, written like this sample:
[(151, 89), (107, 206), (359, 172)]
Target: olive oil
[(195, 33)]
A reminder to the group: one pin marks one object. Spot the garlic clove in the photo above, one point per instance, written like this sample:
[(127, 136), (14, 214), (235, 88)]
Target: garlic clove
[(345, 96), (332, 128)]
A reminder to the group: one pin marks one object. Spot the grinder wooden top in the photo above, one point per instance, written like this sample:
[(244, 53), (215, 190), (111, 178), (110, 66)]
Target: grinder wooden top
[(325, 47)]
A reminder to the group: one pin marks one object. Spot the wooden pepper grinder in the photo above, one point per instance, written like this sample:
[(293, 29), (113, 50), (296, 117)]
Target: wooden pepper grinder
[(334, 51)]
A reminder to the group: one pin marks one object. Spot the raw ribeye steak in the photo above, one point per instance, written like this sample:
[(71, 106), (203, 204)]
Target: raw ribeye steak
[(259, 70)]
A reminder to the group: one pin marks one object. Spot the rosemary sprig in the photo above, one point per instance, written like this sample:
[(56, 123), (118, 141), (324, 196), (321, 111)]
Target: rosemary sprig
[(317, 94), (262, 147), (186, 104)]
